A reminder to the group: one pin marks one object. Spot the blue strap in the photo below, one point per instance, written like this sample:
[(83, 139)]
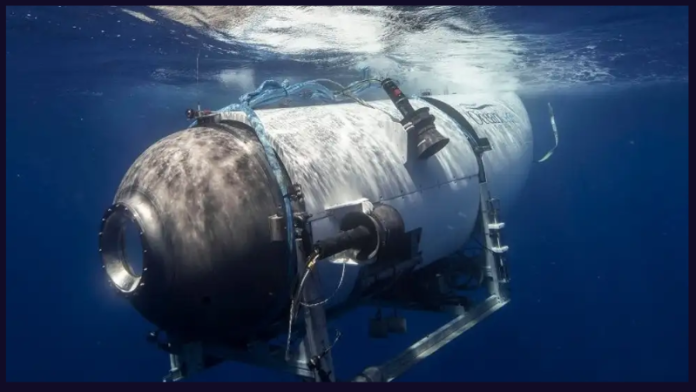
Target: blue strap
[(278, 174), (271, 92)]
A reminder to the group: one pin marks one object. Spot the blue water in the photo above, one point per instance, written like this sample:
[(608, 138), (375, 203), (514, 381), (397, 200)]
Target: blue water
[(599, 254)]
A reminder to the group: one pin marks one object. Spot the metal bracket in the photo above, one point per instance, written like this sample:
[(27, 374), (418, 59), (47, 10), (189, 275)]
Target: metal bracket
[(338, 211)]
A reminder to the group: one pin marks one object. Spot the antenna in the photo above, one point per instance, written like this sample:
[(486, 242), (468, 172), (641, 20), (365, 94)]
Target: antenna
[(192, 114), (197, 89)]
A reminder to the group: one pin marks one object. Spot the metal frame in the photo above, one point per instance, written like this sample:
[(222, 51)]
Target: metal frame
[(498, 297), (427, 346)]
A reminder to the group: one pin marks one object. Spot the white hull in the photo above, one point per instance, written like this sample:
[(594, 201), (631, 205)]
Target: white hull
[(345, 152)]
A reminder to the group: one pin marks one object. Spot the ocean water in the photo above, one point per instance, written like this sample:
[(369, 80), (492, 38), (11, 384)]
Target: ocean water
[(599, 247)]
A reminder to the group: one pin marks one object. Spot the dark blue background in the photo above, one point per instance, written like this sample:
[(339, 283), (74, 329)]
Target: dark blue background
[(599, 238)]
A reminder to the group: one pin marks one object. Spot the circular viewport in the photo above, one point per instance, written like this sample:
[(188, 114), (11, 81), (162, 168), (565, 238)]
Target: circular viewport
[(132, 248)]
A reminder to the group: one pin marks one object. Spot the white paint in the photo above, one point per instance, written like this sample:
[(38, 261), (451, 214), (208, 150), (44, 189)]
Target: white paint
[(345, 152)]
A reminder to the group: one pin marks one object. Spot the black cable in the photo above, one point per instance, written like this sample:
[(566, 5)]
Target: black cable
[(314, 363)]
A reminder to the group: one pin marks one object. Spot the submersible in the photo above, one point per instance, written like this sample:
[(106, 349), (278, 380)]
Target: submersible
[(232, 211)]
